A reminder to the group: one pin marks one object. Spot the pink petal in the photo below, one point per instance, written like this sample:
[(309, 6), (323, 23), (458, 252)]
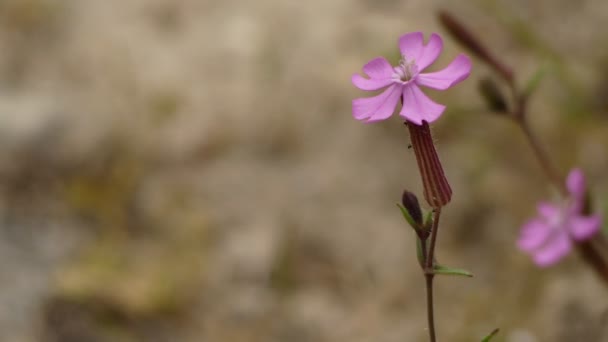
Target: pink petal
[(430, 52), (370, 84), (576, 183), (418, 107), (379, 107), (378, 67), (411, 45), (457, 71), (556, 248), (584, 227), (548, 210), (533, 234)]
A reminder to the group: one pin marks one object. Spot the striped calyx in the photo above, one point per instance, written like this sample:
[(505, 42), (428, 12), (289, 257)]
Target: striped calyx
[(437, 191)]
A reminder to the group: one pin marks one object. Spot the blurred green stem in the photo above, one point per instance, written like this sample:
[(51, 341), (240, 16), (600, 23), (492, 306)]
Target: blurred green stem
[(541, 156)]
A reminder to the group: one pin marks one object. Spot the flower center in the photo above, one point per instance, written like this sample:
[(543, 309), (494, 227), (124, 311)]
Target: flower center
[(406, 71), (559, 221)]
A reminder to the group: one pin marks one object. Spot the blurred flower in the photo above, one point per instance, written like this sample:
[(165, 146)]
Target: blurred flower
[(549, 236), (402, 81)]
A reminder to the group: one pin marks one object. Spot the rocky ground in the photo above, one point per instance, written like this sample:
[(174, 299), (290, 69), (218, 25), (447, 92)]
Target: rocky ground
[(190, 171)]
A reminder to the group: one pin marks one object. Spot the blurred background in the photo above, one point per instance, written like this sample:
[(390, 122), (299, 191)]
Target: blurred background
[(189, 170)]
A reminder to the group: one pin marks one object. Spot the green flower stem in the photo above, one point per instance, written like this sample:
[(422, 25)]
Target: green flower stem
[(429, 273), (429, 306)]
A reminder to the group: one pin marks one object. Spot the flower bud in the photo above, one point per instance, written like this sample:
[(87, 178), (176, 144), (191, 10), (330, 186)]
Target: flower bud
[(465, 37), (492, 95), (410, 203)]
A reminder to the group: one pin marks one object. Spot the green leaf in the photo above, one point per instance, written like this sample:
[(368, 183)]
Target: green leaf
[(408, 217), (489, 337), (428, 221), (440, 269), (534, 81), (421, 257)]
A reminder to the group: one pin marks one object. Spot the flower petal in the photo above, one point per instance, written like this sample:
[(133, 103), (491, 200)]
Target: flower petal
[(584, 227), (576, 183), (548, 211), (417, 106), (411, 45), (455, 72), (430, 52), (556, 248), (380, 107), (378, 67), (533, 234), (380, 72), (370, 84)]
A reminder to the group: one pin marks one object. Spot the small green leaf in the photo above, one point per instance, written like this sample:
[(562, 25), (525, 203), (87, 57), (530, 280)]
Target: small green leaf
[(421, 257), (534, 81), (428, 221), (440, 269), (408, 217), (489, 337)]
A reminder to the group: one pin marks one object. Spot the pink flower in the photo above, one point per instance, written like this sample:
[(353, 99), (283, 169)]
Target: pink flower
[(403, 80), (549, 236)]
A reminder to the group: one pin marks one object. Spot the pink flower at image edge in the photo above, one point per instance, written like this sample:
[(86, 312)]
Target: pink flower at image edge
[(403, 81), (549, 236)]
